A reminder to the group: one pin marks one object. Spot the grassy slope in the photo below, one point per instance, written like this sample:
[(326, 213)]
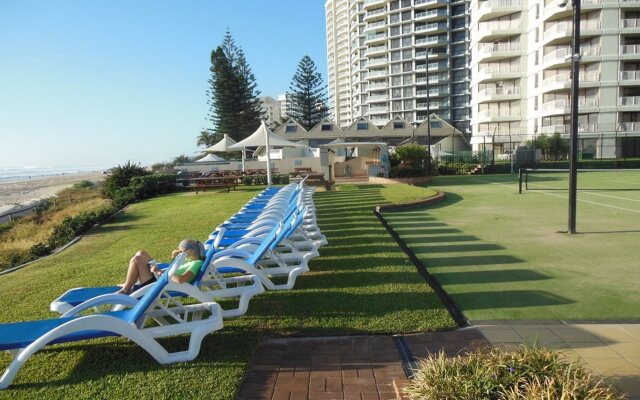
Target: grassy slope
[(362, 283), (500, 256)]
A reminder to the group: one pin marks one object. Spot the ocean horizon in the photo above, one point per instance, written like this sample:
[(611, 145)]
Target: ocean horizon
[(29, 172)]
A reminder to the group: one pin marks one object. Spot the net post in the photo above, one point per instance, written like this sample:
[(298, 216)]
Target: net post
[(520, 170)]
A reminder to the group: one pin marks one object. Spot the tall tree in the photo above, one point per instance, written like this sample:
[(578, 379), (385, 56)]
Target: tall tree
[(234, 106), (307, 95)]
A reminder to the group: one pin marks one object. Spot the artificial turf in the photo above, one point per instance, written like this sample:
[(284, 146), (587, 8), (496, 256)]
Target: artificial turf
[(361, 284), (503, 255)]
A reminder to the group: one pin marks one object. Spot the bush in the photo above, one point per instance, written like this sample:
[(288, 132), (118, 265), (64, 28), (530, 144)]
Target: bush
[(522, 374), (83, 185), (120, 178), (249, 180), (412, 154), (406, 172)]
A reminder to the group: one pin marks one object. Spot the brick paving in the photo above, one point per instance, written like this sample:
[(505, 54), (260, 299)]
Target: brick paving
[(350, 367), (368, 367)]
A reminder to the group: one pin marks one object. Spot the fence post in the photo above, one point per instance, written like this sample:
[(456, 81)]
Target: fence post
[(520, 180)]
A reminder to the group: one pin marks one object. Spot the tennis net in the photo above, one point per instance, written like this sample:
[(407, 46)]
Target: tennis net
[(588, 179)]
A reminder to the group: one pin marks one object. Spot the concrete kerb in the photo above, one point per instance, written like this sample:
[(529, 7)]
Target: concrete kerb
[(448, 302)]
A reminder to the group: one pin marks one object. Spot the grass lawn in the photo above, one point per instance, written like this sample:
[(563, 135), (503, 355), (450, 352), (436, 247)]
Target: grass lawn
[(362, 283), (501, 255)]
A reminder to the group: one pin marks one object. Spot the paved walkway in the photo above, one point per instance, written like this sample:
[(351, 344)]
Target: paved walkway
[(365, 367)]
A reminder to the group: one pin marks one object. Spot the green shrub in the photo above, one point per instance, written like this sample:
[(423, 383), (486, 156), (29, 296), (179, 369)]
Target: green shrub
[(281, 179), (522, 374), (406, 172), (412, 154), (83, 185), (120, 178), (148, 186)]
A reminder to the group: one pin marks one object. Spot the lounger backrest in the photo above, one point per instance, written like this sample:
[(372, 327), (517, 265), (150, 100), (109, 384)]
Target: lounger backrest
[(296, 222), (145, 301), (207, 260), (284, 232), (264, 246)]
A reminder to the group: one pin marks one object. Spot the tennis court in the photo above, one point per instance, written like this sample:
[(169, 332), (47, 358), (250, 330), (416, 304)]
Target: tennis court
[(502, 255)]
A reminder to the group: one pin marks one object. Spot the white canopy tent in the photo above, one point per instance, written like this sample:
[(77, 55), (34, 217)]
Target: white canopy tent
[(224, 146), (264, 137), (211, 158)]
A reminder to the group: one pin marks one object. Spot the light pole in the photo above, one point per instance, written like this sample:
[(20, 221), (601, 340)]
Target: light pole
[(573, 153), (426, 55)]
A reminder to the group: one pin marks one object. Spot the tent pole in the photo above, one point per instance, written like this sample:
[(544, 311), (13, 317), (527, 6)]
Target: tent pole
[(244, 157), (268, 155)]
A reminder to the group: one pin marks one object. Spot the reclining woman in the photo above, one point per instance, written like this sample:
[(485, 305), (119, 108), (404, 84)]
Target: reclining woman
[(143, 268)]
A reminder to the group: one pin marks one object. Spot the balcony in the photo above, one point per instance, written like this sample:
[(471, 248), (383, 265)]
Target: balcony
[(498, 29), (375, 25), (630, 50), (376, 61), (433, 79), (368, 4), (494, 51), (432, 28), (439, 66), (430, 15), (374, 99), (498, 115), (497, 73), (375, 14), (435, 92), (377, 86), (562, 31), (378, 110), (430, 3), (565, 129), (563, 106), (375, 38), (630, 77), (629, 101), (553, 10), (499, 93), (431, 41), (563, 81), (433, 105), (497, 8), (629, 126), (377, 74), (630, 24), (375, 50)]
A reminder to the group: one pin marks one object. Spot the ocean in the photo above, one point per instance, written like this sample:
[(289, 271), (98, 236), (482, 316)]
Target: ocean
[(24, 173)]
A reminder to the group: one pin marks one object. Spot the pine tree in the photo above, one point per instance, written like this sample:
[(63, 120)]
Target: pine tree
[(307, 95), (234, 106)]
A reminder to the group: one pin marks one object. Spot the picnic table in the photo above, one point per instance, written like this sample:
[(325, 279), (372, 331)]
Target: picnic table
[(301, 171), (212, 181)]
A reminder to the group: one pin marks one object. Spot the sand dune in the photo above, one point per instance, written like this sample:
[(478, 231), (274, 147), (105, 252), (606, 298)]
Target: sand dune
[(41, 187)]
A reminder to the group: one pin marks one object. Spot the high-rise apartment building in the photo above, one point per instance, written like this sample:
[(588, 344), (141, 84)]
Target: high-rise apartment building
[(398, 58), (520, 52)]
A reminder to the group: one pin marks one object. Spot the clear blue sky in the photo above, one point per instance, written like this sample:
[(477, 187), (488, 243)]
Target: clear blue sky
[(103, 82)]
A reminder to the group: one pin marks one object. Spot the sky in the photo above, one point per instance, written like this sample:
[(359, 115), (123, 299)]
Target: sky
[(99, 83)]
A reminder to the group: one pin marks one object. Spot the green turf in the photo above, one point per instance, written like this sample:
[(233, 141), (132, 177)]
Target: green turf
[(501, 255), (362, 283)]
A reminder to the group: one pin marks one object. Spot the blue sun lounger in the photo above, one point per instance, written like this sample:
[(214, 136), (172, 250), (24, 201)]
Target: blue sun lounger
[(23, 339)]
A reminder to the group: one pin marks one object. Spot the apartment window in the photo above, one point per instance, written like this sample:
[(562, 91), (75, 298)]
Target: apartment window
[(406, 28), (537, 34), (395, 56), (396, 93), (408, 105), (406, 41), (407, 66), (406, 3), (407, 54), (395, 68), (457, 10), (535, 81), (457, 37), (406, 16), (395, 43), (407, 92), (396, 106), (362, 126), (291, 129), (436, 124), (394, 5), (536, 58), (398, 125), (394, 18), (395, 30), (537, 13), (326, 127), (396, 80), (408, 79)]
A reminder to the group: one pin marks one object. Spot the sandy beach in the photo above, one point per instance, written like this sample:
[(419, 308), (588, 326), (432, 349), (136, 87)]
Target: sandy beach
[(17, 192)]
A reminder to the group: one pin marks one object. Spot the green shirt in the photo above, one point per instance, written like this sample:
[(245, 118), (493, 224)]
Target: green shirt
[(191, 266)]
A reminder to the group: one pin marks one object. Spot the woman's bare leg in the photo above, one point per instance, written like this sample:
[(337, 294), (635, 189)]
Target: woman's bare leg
[(138, 271)]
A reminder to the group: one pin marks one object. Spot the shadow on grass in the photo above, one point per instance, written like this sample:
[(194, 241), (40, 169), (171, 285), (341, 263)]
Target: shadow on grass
[(508, 299), (494, 276)]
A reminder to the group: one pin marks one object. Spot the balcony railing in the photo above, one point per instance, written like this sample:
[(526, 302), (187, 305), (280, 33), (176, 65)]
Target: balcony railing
[(629, 101), (498, 47), (629, 126), (499, 25), (433, 105), (563, 104), (630, 49), (376, 12), (494, 4), (513, 69), (565, 79), (502, 112), (433, 66), (377, 86), (376, 74), (431, 27), (429, 14), (499, 91), (377, 36), (378, 98), (566, 28), (375, 25), (629, 75), (377, 61), (631, 23), (432, 92), (375, 49), (431, 40)]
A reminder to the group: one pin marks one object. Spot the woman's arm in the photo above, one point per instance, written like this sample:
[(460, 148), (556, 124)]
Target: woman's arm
[(186, 277)]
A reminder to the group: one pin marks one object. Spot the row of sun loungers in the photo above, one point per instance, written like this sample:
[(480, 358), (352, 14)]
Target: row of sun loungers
[(265, 246)]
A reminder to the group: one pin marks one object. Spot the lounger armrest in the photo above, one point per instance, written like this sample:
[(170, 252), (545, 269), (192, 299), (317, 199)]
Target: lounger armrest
[(249, 240), (113, 298), (231, 253)]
